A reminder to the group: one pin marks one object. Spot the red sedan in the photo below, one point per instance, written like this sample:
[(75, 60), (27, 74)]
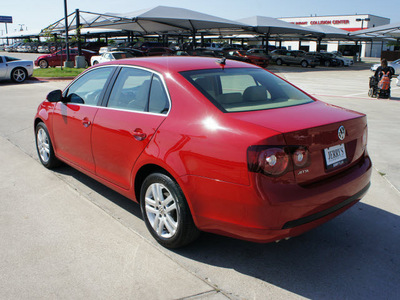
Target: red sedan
[(253, 59), (58, 58), (205, 144)]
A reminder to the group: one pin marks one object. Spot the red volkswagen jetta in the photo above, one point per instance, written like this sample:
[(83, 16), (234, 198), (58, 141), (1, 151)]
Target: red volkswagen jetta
[(208, 145)]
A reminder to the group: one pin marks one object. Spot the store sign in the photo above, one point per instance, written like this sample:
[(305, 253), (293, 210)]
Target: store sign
[(322, 22), (6, 19)]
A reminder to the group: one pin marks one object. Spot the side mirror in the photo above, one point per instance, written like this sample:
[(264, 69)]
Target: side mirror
[(54, 96)]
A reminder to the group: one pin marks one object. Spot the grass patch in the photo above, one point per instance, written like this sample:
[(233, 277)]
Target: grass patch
[(57, 72)]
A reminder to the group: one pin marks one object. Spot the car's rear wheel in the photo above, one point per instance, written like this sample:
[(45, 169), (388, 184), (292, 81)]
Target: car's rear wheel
[(19, 75), (95, 63), (44, 147), (43, 64), (304, 64), (166, 212), (327, 63)]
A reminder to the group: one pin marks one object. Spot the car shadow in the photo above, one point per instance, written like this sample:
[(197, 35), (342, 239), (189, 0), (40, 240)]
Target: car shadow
[(354, 256), (28, 81), (123, 202)]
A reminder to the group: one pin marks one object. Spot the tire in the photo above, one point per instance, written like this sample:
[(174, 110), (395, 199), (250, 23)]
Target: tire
[(95, 63), (304, 63), (165, 212), (371, 92), (43, 64), (341, 63), (279, 62), (19, 75), (44, 147), (327, 63), (86, 64)]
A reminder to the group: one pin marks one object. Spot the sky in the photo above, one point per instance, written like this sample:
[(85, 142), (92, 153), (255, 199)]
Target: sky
[(36, 15)]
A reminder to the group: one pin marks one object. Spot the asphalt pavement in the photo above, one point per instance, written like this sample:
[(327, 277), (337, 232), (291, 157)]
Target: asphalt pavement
[(66, 236)]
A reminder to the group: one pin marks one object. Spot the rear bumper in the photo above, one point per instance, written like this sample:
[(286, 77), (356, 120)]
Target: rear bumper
[(328, 211), (267, 211)]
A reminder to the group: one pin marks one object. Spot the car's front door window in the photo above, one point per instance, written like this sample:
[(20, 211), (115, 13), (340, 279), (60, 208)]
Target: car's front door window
[(87, 89)]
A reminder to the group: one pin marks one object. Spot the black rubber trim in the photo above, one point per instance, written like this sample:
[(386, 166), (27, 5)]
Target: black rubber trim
[(321, 214)]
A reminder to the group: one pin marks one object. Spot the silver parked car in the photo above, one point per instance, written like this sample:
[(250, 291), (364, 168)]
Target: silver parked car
[(281, 56), (15, 69)]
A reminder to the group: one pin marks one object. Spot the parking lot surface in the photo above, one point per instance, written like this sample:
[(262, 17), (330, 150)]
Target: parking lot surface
[(66, 236)]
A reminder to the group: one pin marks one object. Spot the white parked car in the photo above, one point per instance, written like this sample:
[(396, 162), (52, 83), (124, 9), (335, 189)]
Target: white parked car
[(109, 56), (346, 61), (15, 69), (394, 64)]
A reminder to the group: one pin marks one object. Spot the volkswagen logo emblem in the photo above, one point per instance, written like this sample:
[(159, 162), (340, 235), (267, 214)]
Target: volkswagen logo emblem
[(341, 133)]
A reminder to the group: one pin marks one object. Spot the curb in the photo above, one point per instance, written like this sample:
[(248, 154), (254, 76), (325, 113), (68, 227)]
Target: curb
[(51, 78)]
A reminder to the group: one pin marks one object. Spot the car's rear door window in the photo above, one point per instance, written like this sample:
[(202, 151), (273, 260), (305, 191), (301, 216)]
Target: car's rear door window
[(131, 90), (139, 90)]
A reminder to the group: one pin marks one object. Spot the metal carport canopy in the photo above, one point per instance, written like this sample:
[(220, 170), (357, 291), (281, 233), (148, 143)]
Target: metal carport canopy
[(389, 30), (274, 27), (164, 19)]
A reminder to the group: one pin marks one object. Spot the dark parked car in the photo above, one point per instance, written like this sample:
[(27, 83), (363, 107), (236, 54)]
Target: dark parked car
[(144, 46), (206, 52), (159, 51), (325, 59)]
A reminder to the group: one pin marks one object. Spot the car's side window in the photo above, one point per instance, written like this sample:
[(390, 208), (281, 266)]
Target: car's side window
[(158, 102), (1, 60), (87, 89), (131, 90)]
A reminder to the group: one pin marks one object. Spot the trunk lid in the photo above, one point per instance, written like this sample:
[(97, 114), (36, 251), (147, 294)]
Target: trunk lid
[(316, 126)]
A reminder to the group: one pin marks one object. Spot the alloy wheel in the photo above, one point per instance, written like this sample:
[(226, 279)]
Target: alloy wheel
[(43, 145), (18, 75), (161, 210)]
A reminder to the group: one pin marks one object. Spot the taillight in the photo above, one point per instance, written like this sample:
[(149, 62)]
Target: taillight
[(273, 161), (300, 157), (276, 160), (364, 138)]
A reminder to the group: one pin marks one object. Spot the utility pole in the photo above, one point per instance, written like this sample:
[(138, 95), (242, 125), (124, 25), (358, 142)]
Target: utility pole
[(66, 29)]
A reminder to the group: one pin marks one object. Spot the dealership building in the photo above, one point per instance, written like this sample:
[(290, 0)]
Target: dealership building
[(350, 23)]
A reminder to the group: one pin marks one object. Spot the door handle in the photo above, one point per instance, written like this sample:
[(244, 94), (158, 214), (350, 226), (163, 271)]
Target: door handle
[(139, 135), (86, 122)]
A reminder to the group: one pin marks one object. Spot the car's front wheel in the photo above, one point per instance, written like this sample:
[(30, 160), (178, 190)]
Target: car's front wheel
[(44, 147), (279, 62), (19, 75), (304, 64), (166, 212), (43, 64)]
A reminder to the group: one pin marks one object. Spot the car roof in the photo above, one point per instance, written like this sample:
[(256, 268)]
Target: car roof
[(164, 64)]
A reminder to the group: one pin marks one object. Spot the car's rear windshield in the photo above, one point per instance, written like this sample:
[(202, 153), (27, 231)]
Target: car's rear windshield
[(245, 89)]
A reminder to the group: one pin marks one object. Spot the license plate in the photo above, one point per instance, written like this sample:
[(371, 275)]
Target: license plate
[(335, 156)]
